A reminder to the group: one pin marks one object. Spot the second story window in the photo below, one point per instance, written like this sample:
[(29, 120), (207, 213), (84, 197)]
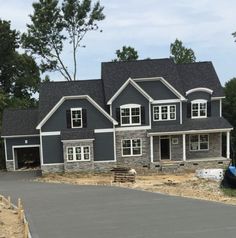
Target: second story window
[(164, 112), (76, 118), (130, 114), (199, 108)]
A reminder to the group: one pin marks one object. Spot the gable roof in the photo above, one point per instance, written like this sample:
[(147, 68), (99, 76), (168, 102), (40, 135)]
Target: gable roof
[(51, 92), (200, 75), (19, 122), (114, 74)]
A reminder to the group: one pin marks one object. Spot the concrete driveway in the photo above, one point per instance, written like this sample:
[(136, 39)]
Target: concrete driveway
[(68, 211)]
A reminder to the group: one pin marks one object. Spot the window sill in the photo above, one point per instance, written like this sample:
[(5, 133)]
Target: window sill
[(131, 155), (199, 150), (73, 161)]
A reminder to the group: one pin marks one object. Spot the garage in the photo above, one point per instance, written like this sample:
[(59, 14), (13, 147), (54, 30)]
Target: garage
[(26, 157)]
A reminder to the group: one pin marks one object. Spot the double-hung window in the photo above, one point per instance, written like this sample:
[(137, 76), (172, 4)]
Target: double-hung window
[(78, 153), (130, 114), (199, 108), (76, 118), (164, 112), (199, 142), (131, 147)]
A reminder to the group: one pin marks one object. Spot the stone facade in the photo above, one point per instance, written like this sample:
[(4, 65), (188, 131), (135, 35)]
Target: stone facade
[(74, 166), (133, 161), (52, 168), (10, 165)]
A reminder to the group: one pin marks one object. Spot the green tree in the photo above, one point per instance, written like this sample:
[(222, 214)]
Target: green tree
[(56, 25), (127, 53), (181, 54)]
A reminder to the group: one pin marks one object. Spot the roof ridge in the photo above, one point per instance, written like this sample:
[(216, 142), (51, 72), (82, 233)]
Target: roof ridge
[(132, 61), (74, 81), (199, 62)]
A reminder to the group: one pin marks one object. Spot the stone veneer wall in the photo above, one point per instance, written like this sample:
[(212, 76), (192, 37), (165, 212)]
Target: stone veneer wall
[(215, 146), (133, 161), (52, 168), (75, 166), (10, 165)]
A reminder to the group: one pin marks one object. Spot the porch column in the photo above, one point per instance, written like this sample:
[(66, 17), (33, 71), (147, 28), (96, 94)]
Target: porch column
[(228, 144), (151, 148), (184, 147)]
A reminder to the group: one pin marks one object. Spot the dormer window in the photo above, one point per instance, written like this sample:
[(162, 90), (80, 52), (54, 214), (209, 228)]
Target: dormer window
[(130, 114), (199, 109), (76, 118)]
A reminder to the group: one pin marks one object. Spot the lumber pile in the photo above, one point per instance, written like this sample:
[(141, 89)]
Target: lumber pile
[(123, 175)]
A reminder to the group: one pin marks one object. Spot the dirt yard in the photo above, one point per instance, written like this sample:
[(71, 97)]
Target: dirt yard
[(180, 184), (10, 227)]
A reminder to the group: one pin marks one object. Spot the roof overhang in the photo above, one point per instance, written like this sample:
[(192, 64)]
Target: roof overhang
[(43, 121), (20, 136), (135, 85), (193, 90)]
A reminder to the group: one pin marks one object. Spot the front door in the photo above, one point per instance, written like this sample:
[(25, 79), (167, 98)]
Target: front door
[(165, 148)]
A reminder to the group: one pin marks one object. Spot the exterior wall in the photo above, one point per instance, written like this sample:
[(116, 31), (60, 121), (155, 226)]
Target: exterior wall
[(95, 119), (156, 148), (104, 147), (52, 149), (10, 165), (75, 166), (19, 141), (199, 95), (215, 148), (133, 161), (215, 108), (177, 149), (52, 168), (131, 95), (170, 122), (157, 90)]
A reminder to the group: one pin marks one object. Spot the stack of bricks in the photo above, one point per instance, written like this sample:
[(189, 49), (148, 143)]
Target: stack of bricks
[(122, 175)]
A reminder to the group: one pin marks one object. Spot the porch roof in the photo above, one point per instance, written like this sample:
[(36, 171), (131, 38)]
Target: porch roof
[(211, 124), (77, 134)]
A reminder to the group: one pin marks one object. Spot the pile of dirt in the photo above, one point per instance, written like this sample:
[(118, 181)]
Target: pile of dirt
[(10, 227), (184, 184)]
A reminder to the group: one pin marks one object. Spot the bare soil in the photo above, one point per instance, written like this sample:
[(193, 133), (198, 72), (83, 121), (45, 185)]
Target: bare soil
[(179, 184), (10, 227)]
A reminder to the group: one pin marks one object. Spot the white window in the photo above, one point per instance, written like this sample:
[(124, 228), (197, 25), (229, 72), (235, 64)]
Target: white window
[(199, 142), (164, 113), (199, 108), (131, 147), (76, 117), (78, 153), (130, 114)]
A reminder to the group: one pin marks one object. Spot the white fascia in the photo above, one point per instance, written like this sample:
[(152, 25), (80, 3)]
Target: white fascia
[(39, 126), (206, 90), (135, 85)]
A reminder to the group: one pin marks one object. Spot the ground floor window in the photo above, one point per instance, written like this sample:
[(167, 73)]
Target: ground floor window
[(78, 153), (131, 147), (199, 142)]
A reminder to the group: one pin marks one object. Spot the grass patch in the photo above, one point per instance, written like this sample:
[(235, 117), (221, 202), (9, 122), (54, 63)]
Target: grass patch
[(229, 192)]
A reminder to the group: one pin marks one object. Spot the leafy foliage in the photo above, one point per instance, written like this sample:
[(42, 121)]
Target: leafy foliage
[(181, 54), (54, 25), (127, 53)]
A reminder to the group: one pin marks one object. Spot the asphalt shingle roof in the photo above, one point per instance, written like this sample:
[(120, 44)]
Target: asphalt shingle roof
[(51, 92), (77, 134), (19, 122)]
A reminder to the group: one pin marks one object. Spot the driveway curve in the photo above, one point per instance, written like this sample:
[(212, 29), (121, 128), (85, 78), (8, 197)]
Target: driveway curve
[(70, 211)]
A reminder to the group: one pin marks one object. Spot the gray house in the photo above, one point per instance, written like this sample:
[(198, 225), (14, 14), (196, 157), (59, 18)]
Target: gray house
[(141, 114)]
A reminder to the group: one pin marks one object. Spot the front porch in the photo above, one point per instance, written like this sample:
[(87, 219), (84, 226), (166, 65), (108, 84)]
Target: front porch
[(188, 146)]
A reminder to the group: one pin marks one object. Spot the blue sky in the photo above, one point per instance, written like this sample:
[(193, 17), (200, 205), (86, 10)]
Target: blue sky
[(150, 26)]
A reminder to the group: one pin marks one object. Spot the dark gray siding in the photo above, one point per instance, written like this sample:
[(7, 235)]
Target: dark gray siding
[(104, 147), (20, 141), (171, 122), (215, 108), (157, 90), (95, 119), (52, 149), (199, 95), (131, 95)]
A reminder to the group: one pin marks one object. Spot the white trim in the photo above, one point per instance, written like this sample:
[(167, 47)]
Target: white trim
[(72, 119), (135, 85), (41, 148), (209, 131), (106, 130), (74, 153), (166, 101), (151, 148), (207, 90), (58, 104), (77, 140), (131, 147), (51, 133), (228, 145), (18, 136), (150, 114), (110, 110), (164, 82), (198, 102), (114, 142), (20, 146), (104, 161), (130, 107), (199, 142), (184, 147), (133, 128), (220, 107), (53, 164), (217, 98), (5, 148), (181, 112), (162, 138), (160, 113)]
